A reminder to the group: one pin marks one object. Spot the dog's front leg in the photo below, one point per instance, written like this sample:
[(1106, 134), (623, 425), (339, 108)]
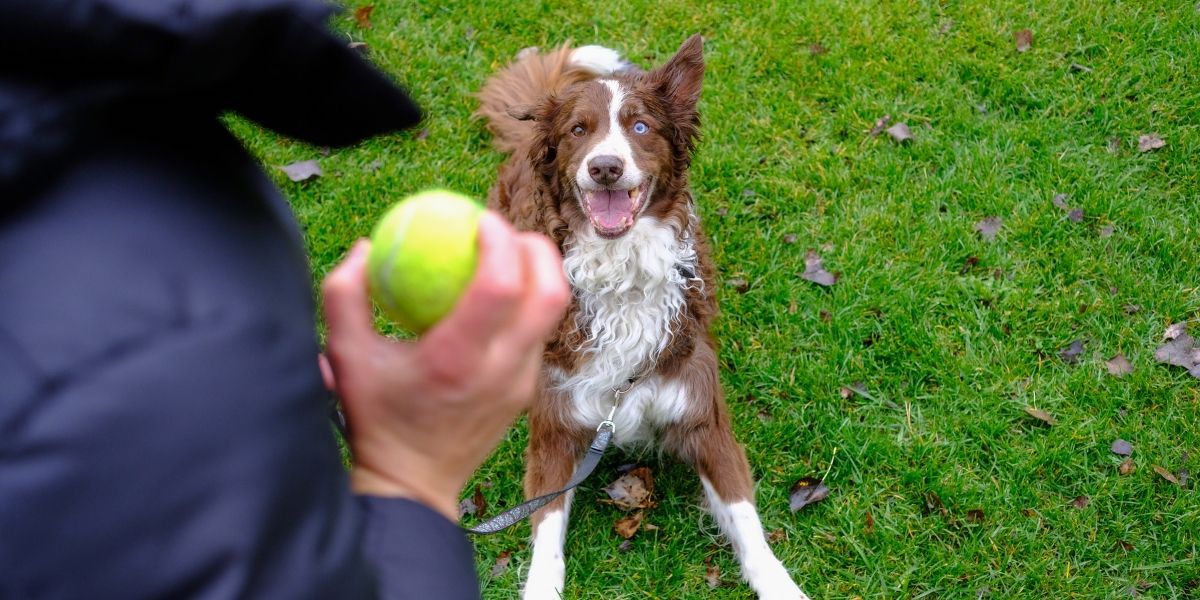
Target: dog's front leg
[(554, 449)]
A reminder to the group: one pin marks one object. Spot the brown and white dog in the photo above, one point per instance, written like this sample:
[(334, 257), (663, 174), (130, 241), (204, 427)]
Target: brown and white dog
[(599, 162)]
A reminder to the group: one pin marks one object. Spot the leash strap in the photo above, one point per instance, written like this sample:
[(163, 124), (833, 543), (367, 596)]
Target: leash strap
[(521, 511)]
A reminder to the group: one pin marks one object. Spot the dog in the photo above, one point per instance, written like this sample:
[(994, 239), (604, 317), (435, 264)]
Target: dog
[(599, 152)]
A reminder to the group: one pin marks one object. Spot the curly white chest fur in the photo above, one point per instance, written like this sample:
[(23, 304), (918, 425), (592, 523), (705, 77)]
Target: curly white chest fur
[(632, 291)]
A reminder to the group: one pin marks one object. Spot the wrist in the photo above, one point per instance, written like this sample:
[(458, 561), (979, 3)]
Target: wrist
[(364, 480)]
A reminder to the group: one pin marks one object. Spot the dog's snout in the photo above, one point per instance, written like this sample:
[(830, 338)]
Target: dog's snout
[(606, 169)]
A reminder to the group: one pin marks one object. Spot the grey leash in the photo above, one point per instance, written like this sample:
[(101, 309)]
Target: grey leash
[(518, 513)]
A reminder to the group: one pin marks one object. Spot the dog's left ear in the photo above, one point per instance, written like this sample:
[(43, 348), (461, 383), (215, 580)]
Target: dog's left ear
[(679, 80)]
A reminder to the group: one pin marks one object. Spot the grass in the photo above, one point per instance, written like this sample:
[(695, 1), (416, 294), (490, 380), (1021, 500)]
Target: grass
[(950, 356)]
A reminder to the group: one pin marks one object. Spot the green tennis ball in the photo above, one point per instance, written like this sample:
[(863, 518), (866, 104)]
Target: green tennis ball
[(423, 256)]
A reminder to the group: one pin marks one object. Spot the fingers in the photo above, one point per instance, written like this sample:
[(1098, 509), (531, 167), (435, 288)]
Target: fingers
[(347, 307), (326, 372), (458, 344), (546, 293)]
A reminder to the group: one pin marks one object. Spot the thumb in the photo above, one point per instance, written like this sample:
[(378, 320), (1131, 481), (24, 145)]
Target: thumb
[(347, 307)]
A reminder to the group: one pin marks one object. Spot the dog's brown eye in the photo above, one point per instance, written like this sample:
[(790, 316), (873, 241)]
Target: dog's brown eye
[(579, 131)]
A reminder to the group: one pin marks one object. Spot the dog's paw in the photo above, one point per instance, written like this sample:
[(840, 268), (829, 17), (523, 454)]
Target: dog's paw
[(771, 581), (545, 582)]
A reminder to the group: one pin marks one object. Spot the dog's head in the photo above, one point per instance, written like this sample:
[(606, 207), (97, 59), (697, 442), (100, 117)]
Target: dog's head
[(615, 148)]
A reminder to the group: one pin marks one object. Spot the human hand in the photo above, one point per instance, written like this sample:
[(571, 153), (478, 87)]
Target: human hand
[(424, 415)]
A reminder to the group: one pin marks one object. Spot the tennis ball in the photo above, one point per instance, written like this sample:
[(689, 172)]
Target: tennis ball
[(423, 256)]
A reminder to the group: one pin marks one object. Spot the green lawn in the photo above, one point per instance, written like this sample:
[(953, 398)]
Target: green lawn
[(952, 337)]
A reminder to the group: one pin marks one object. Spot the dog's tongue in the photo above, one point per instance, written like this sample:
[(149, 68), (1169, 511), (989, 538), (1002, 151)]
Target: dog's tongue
[(611, 207)]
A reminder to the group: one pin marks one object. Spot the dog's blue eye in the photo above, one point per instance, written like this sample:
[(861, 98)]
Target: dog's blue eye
[(578, 131), (640, 127)]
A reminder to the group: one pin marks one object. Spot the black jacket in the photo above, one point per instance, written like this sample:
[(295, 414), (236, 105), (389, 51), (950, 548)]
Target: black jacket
[(163, 429)]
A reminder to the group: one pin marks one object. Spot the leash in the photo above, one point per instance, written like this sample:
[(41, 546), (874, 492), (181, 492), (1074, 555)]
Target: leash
[(520, 512)]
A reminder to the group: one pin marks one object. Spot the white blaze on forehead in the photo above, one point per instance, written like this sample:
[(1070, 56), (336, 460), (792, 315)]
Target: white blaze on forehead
[(615, 143)]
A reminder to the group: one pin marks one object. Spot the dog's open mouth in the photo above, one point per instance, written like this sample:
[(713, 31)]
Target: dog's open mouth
[(613, 212)]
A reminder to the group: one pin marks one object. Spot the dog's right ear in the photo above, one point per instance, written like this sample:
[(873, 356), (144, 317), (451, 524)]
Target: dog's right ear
[(543, 150)]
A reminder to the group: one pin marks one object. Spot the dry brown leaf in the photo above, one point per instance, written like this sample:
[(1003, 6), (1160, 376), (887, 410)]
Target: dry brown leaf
[(815, 272), (632, 490), (628, 526), (1081, 502), (975, 515), (712, 574), (776, 536), (1165, 474), (870, 522), (362, 16), (501, 564), (1126, 467), (880, 125), (302, 171), (817, 49), (1118, 366), (1040, 415), (1023, 40), (740, 285), (900, 132), (1146, 143), (1070, 354), (1121, 447), (989, 227), (808, 490)]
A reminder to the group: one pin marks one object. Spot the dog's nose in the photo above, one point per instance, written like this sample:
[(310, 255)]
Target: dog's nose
[(606, 169)]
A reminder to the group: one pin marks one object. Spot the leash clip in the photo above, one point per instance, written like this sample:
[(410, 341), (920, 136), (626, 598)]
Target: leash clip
[(608, 421)]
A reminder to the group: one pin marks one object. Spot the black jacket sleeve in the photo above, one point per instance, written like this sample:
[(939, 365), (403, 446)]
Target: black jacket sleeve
[(163, 429)]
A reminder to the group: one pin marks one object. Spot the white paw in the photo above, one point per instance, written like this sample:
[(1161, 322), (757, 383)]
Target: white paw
[(545, 582), (770, 579)]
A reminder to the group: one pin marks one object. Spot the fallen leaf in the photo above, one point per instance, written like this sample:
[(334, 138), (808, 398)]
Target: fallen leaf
[(466, 507), (1076, 215), (1081, 502), (632, 490), (1121, 447), (1023, 40), (1040, 415), (790, 238), (1106, 231), (933, 504), (1119, 366), (1070, 354), (1126, 467), (1175, 330), (975, 515), (479, 501), (825, 315), (422, 135), (302, 171), (817, 49), (1060, 200), (870, 522), (1114, 144), (1180, 352), (1165, 474), (1078, 68), (900, 132), (1124, 545), (777, 536), (712, 574), (880, 125), (815, 272), (362, 16), (988, 228), (501, 564), (849, 391), (741, 285), (1183, 477), (628, 526), (808, 490), (968, 264), (1146, 143), (625, 546)]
